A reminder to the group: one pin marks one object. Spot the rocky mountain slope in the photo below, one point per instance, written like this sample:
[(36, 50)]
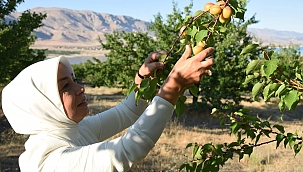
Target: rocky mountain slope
[(66, 27), (268, 36), (76, 27)]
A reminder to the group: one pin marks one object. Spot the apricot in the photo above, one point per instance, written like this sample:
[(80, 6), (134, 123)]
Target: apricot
[(222, 19), (197, 49), (215, 9), (208, 5), (221, 4), (227, 12), (181, 31)]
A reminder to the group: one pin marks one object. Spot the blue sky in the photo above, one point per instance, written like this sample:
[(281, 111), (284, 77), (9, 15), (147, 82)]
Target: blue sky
[(272, 14)]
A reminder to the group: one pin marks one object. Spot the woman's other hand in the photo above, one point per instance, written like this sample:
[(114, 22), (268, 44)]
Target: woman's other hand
[(150, 65)]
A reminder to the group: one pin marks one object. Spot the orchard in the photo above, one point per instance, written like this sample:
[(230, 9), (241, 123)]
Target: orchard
[(242, 67), (265, 73)]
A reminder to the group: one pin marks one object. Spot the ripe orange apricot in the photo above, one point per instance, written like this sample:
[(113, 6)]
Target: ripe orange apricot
[(222, 19), (208, 5), (215, 9), (227, 12), (221, 4), (197, 49), (181, 31)]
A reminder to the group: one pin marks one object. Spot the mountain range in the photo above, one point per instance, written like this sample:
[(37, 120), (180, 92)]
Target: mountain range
[(67, 27)]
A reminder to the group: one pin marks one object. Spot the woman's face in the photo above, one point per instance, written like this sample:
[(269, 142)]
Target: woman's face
[(72, 95)]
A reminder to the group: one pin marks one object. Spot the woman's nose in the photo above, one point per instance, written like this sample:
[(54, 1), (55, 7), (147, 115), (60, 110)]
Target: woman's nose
[(80, 89)]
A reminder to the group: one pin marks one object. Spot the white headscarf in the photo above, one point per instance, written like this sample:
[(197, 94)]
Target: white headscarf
[(32, 104)]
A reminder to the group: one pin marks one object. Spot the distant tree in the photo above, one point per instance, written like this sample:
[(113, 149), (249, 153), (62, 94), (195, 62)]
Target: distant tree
[(228, 74), (289, 57), (16, 37), (128, 52)]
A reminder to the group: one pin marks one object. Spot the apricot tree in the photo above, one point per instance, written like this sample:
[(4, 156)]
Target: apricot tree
[(16, 37)]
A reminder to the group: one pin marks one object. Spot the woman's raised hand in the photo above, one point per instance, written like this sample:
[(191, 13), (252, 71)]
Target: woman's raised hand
[(187, 71)]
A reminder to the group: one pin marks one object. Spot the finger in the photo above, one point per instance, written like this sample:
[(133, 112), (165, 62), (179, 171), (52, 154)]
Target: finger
[(186, 53), (208, 63), (203, 54), (156, 65), (154, 56)]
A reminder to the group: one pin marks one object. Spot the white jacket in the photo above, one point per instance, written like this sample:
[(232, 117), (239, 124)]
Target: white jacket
[(32, 105)]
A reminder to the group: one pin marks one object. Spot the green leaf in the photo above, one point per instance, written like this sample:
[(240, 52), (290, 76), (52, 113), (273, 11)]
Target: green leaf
[(190, 145), (222, 122), (297, 148), (282, 106), (235, 126), (208, 147), (280, 128), (132, 88), (270, 66), (266, 92), (262, 71), (279, 139), (183, 166), (248, 150), (291, 99), (248, 79), (269, 91), (265, 124), (180, 106), (252, 66), (199, 167), (193, 31), (196, 148), (162, 57), (211, 41), (197, 154), (153, 86), (280, 90), (292, 142), (299, 76), (194, 90), (251, 134), (249, 48), (197, 13), (258, 138), (240, 15), (201, 34), (256, 89), (223, 29)]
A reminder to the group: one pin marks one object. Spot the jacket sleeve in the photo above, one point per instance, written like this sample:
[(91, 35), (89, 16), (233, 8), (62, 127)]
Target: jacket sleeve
[(112, 121), (119, 154)]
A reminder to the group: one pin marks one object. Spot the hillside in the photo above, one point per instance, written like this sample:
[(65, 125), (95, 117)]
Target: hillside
[(268, 36), (80, 27), (66, 27)]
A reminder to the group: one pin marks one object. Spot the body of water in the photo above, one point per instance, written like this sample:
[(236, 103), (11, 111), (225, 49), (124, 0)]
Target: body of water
[(78, 58)]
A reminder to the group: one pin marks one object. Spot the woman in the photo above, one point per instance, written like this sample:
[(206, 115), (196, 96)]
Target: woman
[(45, 102)]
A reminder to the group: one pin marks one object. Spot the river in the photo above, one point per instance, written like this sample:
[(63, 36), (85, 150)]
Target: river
[(79, 58)]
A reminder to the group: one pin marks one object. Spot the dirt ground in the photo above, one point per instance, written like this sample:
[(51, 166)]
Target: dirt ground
[(9, 153)]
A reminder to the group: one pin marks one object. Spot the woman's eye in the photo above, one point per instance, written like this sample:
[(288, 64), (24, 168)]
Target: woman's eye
[(65, 86)]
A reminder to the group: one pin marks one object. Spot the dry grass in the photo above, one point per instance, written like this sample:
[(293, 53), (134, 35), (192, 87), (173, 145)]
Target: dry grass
[(169, 152)]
